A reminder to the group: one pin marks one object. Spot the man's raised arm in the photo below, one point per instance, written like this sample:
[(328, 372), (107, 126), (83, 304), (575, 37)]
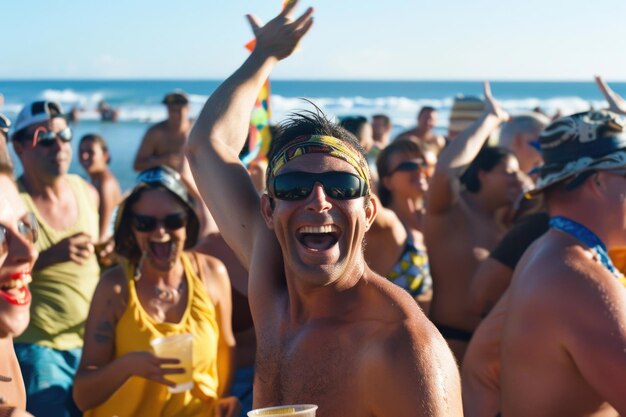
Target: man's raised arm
[(221, 129), (616, 103), (460, 153)]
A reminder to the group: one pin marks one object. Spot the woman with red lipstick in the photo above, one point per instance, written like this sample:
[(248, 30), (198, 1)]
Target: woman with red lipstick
[(18, 232), (162, 288)]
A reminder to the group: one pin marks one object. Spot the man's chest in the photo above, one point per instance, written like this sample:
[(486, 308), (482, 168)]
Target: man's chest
[(313, 366)]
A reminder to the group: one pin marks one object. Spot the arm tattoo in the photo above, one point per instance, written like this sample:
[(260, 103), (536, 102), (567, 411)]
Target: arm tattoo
[(104, 332)]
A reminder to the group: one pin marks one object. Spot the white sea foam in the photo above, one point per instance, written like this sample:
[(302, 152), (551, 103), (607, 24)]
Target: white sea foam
[(72, 98), (402, 110)]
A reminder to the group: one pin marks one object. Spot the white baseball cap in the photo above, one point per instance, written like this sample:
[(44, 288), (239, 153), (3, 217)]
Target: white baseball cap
[(37, 112)]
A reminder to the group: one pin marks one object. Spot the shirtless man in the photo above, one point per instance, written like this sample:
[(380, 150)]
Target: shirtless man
[(381, 130), (329, 330), (481, 367), (519, 135), (164, 142), (460, 226), (423, 133), (564, 355)]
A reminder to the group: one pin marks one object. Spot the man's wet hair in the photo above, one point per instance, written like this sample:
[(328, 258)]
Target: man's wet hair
[(307, 123), (486, 160)]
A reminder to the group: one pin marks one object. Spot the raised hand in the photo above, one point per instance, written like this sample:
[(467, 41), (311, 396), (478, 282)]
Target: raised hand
[(145, 364), (616, 103), (492, 106), (280, 36)]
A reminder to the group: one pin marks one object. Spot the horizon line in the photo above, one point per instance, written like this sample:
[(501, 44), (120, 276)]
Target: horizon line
[(354, 80)]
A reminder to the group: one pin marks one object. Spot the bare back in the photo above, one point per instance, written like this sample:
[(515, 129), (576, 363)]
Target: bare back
[(457, 241), (564, 334)]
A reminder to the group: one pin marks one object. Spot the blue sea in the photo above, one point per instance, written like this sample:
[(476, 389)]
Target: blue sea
[(139, 103)]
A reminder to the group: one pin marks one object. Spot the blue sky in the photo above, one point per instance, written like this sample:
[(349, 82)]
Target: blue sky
[(366, 39)]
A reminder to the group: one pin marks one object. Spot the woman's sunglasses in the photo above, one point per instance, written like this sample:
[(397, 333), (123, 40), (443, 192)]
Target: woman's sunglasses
[(27, 227), (171, 222), (294, 186), (409, 166), (45, 138)]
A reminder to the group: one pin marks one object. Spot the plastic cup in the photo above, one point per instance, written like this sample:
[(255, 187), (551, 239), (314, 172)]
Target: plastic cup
[(178, 346), (300, 410)]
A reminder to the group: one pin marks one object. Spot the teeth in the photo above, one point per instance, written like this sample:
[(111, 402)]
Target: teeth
[(23, 281), (162, 239), (329, 228)]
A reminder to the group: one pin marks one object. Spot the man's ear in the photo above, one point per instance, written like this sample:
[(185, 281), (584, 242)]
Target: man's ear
[(267, 210), (371, 209)]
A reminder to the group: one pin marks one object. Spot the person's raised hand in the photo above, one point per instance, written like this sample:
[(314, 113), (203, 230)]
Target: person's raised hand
[(147, 365), (280, 36), (492, 106), (616, 103)]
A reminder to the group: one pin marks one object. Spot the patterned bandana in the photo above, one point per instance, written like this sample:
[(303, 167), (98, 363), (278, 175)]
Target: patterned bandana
[(594, 140), (318, 144)]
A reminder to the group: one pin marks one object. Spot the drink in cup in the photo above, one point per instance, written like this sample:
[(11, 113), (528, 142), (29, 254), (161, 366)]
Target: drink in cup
[(177, 346), (300, 410)]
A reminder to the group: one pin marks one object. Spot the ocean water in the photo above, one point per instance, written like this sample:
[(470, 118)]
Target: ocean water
[(139, 103)]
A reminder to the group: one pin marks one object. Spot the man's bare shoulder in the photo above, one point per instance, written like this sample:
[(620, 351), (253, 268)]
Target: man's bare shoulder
[(408, 350), (156, 130), (553, 264), (402, 323)]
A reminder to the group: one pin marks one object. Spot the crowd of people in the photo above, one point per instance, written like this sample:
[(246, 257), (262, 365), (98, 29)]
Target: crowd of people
[(476, 273)]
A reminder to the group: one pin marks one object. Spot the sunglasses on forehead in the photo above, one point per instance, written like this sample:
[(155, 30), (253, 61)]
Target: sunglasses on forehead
[(27, 227), (143, 223), (43, 137), (294, 186)]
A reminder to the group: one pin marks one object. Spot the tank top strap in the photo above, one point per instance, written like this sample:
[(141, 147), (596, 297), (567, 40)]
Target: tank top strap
[(195, 281)]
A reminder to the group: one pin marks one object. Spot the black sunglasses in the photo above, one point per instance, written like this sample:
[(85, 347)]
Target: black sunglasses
[(42, 137), (143, 223), (27, 227), (408, 166), (339, 185)]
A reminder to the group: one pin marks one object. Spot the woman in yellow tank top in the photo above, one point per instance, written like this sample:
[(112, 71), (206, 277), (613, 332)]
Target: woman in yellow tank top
[(158, 290)]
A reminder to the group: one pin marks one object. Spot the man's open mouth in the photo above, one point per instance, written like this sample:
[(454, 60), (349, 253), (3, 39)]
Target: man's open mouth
[(15, 290), (318, 238)]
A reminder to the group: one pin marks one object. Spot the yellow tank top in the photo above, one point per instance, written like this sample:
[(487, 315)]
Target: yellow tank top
[(62, 292), (140, 397)]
